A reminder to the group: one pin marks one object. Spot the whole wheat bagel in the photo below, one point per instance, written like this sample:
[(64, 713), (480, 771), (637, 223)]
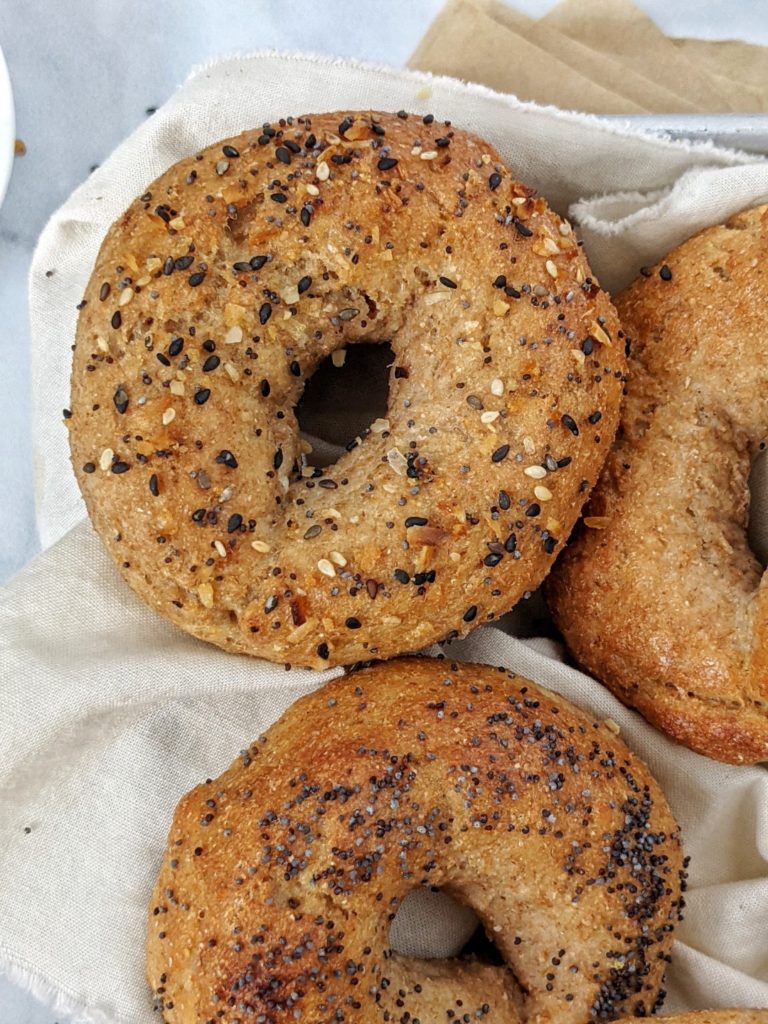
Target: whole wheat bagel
[(660, 596), (216, 296), (281, 877)]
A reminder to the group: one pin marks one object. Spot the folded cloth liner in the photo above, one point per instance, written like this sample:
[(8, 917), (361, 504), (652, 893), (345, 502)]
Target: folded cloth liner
[(110, 713)]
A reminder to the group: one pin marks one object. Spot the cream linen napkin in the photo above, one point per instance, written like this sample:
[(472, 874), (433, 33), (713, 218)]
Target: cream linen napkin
[(110, 713)]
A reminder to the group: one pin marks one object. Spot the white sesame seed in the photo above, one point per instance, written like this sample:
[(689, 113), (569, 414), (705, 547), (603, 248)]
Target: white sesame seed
[(536, 472), (564, 227), (337, 558), (431, 154), (168, 416), (105, 460), (489, 416), (313, 190), (232, 372), (323, 171), (233, 336), (528, 446), (326, 568), (125, 296), (205, 593), (220, 548), (542, 493), (338, 357), (551, 268), (497, 387), (260, 545)]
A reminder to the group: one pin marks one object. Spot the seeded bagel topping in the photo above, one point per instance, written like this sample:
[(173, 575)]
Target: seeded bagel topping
[(219, 294)]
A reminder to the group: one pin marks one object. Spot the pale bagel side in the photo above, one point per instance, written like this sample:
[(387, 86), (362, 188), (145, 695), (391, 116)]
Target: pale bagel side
[(659, 595), (216, 296)]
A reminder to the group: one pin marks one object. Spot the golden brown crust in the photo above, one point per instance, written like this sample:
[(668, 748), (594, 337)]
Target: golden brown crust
[(281, 876), (664, 601), (216, 296), (710, 1017)]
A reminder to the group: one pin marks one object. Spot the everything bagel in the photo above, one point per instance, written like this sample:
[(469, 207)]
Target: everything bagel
[(281, 877), (216, 296), (660, 597)]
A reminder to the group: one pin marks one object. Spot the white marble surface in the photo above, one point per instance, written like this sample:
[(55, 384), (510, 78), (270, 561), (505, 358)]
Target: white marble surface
[(84, 73)]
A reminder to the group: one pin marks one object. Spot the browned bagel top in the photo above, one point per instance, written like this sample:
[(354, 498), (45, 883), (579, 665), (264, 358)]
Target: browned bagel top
[(217, 295), (662, 598), (281, 877)]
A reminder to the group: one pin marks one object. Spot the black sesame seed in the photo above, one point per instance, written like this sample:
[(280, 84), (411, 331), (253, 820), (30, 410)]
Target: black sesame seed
[(226, 458), (415, 521), (665, 273), (120, 467), (377, 129), (278, 197), (257, 262), (322, 651), (304, 283), (89, 467), (283, 155), (67, 414), (234, 522), (230, 151), (265, 388), (210, 364), (428, 118), (566, 461), (500, 454), (163, 358), (447, 282), (493, 559), (443, 142), (175, 347), (117, 319), (470, 613), (588, 345), (533, 510), (521, 228), (352, 623), (241, 266), (386, 163), (595, 417), (120, 398), (510, 544), (265, 313), (293, 146), (195, 279), (570, 423), (202, 395), (277, 460), (183, 262), (306, 214), (104, 291), (345, 125), (504, 501), (494, 181), (549, 544), (154, 487), (500, 282), (295, 368), (349, 314)]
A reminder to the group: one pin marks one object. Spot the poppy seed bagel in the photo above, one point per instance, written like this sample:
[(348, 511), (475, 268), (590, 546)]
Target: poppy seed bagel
[(281, 877)]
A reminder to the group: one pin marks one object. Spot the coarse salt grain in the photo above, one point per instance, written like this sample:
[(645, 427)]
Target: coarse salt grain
[(233, 336), (168, 416), (220, 548), (205, 594), (497, 387)]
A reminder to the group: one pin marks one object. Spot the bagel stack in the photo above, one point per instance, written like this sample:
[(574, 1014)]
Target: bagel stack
[(216, 296)]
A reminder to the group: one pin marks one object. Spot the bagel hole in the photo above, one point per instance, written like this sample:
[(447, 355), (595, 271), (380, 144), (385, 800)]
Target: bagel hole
[(431, 925), (757, 532), (340, 403)]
